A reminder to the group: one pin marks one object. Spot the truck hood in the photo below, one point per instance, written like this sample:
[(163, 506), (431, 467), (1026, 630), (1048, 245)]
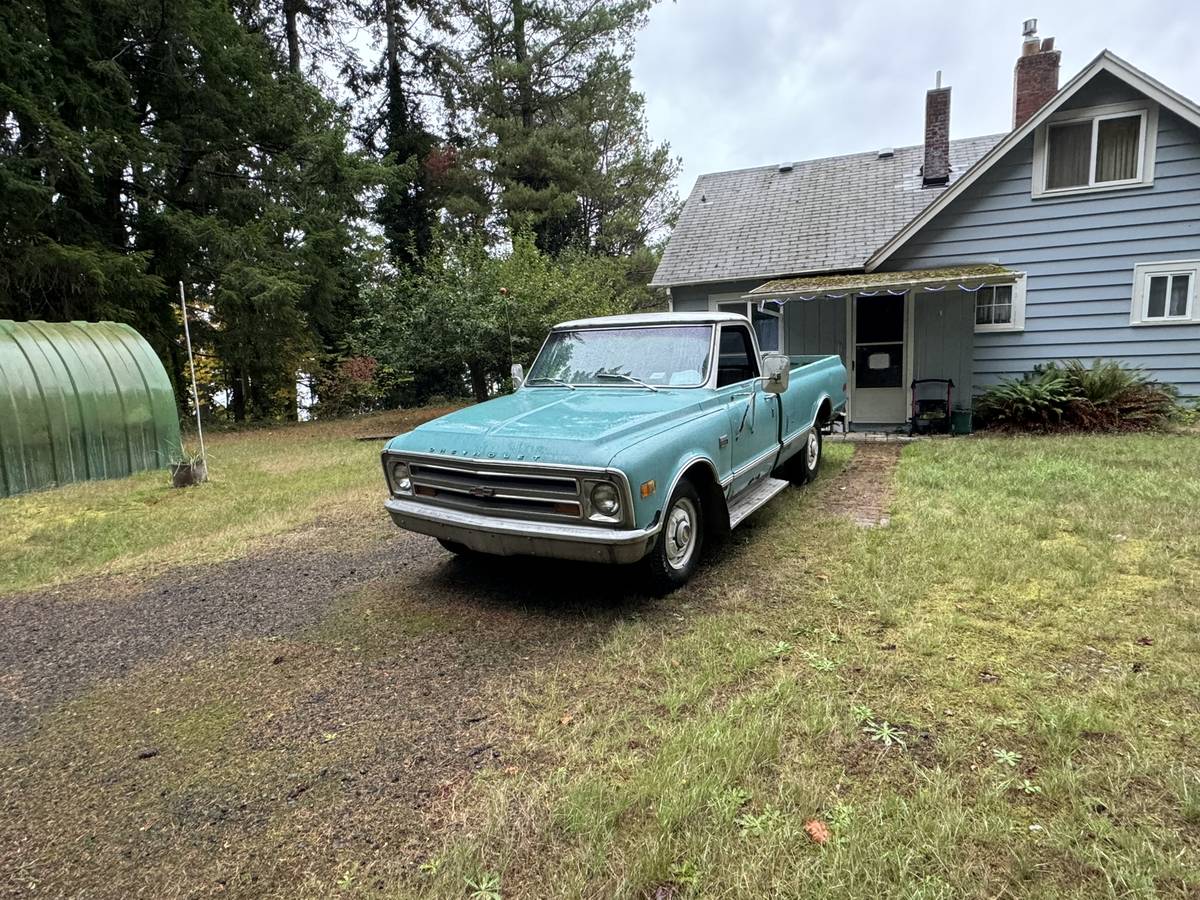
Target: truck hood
[(587, 426)]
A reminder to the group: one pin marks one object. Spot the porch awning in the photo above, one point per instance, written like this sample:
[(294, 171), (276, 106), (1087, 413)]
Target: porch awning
[(872, 282)]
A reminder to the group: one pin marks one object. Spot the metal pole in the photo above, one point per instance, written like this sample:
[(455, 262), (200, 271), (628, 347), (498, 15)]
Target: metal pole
[(191, 363)]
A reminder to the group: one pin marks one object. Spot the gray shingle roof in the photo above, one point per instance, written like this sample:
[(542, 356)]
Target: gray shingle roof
[(824, 215)]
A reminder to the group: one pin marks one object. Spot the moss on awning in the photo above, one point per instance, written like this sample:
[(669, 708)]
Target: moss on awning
[(816, 285)]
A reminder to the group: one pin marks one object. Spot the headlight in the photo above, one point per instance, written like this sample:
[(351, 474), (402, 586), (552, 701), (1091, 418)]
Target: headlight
[(605, 499), (401, 482)]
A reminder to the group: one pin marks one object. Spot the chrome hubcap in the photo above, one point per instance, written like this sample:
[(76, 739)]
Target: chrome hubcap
[(814, 449), (681, 533)]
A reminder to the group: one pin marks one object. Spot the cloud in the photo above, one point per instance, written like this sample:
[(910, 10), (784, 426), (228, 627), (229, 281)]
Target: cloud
[(737, 83)]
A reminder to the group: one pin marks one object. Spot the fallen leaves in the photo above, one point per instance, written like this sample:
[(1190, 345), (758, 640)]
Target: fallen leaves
[(566, 719), (817, 830)]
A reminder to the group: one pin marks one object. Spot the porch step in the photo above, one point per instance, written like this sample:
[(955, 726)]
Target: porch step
[(750, 500)]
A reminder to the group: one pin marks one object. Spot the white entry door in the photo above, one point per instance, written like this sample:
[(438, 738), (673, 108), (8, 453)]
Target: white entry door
[(879, 392)]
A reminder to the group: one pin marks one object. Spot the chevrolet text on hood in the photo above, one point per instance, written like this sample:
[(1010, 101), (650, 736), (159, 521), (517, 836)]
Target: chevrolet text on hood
[(631, 440)]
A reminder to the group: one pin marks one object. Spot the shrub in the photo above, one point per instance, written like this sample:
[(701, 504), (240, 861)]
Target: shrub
[(1107, 396), (1039, 400)]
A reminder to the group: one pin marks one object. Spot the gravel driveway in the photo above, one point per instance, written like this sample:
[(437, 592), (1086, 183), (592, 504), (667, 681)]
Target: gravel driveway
[(349, 630)]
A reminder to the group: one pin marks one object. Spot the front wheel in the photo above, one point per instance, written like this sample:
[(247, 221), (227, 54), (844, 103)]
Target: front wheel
[(676, 553)]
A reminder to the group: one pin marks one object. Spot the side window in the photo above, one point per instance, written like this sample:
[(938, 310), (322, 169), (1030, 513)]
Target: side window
[(737, 360), (1165, 293)]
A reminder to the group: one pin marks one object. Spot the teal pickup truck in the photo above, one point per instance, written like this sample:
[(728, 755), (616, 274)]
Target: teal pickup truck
[(633, 439)]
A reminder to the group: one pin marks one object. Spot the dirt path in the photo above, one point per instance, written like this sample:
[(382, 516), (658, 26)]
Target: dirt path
[(236, 728), (863, 490), (316, 698)]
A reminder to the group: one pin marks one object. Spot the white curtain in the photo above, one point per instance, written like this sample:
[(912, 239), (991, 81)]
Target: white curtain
[(1069, 155), (1117, 148)]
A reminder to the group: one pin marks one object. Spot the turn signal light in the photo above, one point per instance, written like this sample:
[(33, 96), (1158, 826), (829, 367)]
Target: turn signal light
[(647, 488)]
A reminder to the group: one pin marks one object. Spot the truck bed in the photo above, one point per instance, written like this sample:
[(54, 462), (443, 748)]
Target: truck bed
[(799, 362)]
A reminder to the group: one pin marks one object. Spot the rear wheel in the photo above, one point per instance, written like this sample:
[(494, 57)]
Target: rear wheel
[(813, 450), (805, 462), (676, 553)]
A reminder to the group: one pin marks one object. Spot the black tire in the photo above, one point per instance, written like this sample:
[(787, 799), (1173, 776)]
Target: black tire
[(806, 462), (676, 553), (458, 549)]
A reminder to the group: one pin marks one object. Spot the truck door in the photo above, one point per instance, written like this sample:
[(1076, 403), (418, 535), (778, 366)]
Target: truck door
[(753, 413)]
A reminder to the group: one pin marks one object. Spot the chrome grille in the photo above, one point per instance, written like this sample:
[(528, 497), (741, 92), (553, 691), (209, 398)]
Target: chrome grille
[(497, 490)]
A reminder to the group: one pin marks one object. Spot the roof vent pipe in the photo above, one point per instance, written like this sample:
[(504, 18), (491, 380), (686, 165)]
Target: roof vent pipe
[(786, 167)]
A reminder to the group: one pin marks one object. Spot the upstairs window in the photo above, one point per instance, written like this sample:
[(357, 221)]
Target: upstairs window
[(1098, 149), (1001, 307), (1165, 293)]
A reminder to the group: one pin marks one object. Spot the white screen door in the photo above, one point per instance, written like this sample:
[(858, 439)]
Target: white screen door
[(880, 395)]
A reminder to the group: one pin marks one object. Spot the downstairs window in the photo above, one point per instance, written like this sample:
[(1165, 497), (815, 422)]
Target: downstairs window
[(1165, 293), (1000, 307)]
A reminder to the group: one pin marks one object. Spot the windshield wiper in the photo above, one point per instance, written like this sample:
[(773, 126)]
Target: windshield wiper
[(629, 378), (557, 381)]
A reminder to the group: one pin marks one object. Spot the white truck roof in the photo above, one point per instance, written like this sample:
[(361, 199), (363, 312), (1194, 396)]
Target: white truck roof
[(662, 318)]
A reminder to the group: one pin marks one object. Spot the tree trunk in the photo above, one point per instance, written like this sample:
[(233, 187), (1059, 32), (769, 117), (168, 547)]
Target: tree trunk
[(291, 12), (479, 381), (397, 107), (261, 406), (292, 413), (237, 398), (521, 58)]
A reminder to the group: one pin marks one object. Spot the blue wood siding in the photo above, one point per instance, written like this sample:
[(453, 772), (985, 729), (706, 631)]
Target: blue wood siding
[(694, 297), (943, 328), (816, 326), (810, 326), (1078, 254)]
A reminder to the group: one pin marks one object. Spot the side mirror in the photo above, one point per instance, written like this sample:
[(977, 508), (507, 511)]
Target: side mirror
[(777, 369), (518, 375)]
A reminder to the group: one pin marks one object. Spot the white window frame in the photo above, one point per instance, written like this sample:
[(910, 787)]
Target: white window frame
[(714, 305), (1142, 273), (1018, 307), (1148, 112)]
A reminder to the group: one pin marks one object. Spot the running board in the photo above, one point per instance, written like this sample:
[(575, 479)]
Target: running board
[(750, 500)]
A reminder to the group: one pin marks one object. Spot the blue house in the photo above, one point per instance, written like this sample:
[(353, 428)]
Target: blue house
[(1074, 236)]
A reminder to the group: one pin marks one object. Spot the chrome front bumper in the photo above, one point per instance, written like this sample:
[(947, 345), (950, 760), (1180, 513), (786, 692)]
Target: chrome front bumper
[(517, 537)]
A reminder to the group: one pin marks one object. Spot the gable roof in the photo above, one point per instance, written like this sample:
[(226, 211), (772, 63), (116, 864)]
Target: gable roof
[(823, 215), (1107, 61)]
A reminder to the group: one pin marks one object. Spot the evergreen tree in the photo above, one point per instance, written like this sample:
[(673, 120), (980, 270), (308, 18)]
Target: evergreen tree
[(546, 91), (146, 144)]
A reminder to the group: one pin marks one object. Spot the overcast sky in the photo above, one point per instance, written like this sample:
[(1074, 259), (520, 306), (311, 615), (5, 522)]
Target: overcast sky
[(738, 83)]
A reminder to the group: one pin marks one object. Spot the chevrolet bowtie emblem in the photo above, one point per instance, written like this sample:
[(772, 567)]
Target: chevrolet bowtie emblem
[(483, 492)]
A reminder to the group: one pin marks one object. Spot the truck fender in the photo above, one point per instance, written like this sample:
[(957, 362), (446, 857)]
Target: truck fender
[(703, 473), (823, 411)]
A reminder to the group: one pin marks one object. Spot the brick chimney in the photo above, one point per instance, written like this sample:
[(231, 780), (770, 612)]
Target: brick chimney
[(1035, 78), (936, 170)]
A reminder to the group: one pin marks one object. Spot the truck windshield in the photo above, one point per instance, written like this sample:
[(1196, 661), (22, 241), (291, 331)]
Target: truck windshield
[(673, 356)]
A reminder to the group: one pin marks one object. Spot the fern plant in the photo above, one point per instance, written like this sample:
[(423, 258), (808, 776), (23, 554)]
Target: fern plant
[(1105, 396), (1038, 400)]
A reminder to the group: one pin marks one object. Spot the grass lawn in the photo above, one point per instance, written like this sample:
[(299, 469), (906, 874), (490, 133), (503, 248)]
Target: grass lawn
[(263, 482), (997, 695)]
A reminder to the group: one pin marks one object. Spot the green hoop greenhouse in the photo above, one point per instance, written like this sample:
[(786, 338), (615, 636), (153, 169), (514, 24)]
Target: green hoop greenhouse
[(81, 400)]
